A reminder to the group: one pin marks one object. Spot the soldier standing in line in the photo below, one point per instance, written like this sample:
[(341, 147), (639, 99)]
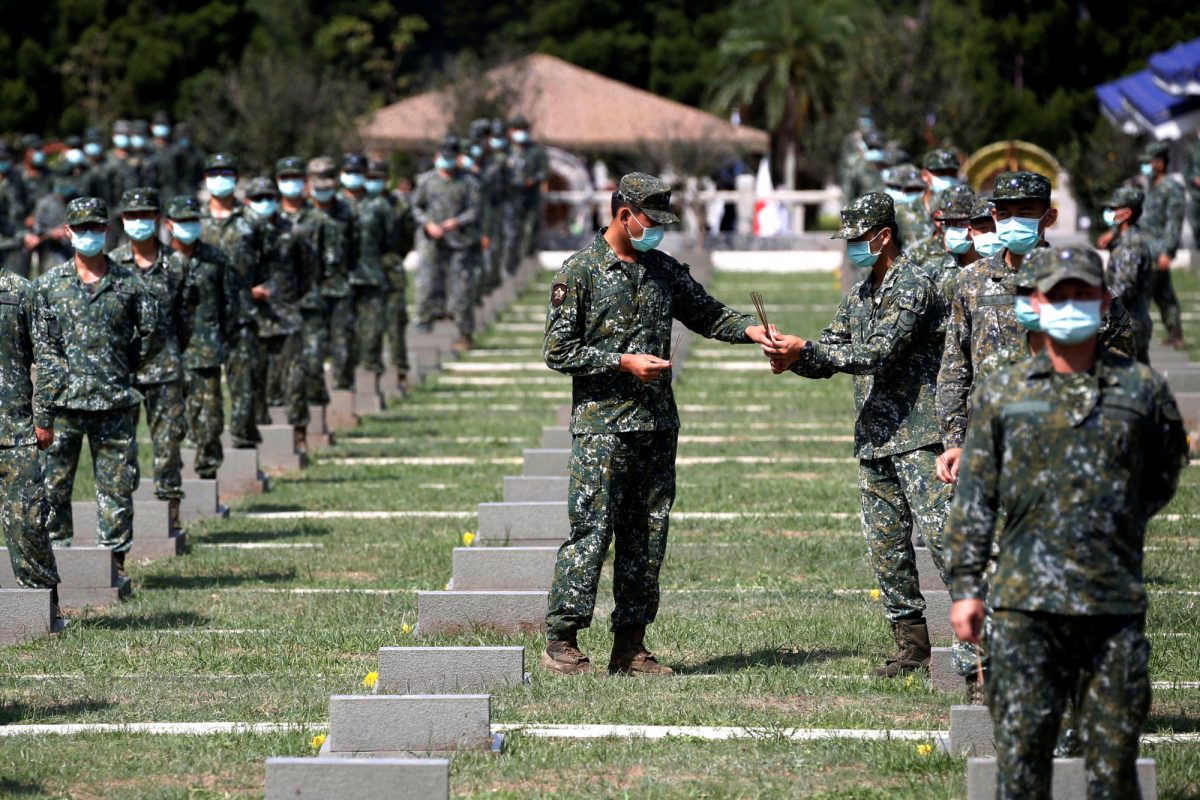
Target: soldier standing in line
[(529, 169), (367, 278), (217, 313), (495, 190), (1191, 175), (27, 408), (399, 239), (226, 225), (1130, 270), (187, 159), (888, 334), (160, 382), (864, 176), (93, 182), (109, 325), (337, 235), (1086, 445), (949, 248), (471, 164), (161, 158), (608, 326), (14, 208), (903, 184), (306, 243), (1162, 224)]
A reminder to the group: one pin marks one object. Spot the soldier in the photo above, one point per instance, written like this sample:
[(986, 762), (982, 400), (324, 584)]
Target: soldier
[(446, 209), (161, 157), (141, 155), (226, 225), (904, 185), (1191, 176), (187, 159), (1087, 445), (939, 170), (367, 278), (1130, 268), (35, 171), (399, 238), (109, 325), (495, 187), (48, 236), (306, 226), (337, 236), (528, 169), (94, 182), (888, 334), (864, 177), (949, 248), (14, 207), (624, 420), (217, 313), (1162, 223), (471, 164), (160, 382), (120, 170), (984, 239), (27, 407)]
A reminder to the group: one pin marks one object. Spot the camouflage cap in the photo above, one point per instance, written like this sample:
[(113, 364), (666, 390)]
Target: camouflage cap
[(1027, 276), (31, 141), (1125, 197), (140, 198), (869, 211), (904, 176), (82, 210), (121, 126), (1067, 263), (498, 128), (1155, 150), (183, 208), (93, 135), (874, 140), (377, 166), (449, 144), (518, 122), (478, 129), (219, 161), (982, 208), (261, 187), (322, 173), (354, 162), (1021, 186), (957, 202), (940, 159), (140, 126), (649, 194), (161, 117), (289, 165)]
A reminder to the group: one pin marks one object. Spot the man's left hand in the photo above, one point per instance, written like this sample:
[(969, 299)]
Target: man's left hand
[(1164, 262), (260, 293), (44, 436), (760, 335)]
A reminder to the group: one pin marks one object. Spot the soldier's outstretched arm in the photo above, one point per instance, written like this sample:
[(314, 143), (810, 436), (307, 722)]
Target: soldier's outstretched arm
[(701, 312), (1167, 456), (564, 348), (896, 327)]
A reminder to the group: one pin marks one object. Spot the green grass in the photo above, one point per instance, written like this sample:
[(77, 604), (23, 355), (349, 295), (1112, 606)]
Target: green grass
[(750, 616)]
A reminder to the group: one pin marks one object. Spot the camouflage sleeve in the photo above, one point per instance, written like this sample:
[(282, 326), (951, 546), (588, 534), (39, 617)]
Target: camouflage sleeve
[(232, 310), (150, 325), (420, 200), (469, 215), (838, 332), (955, 375), (1121, 272), (896, 326), (971, 523), (1116, 330), (564, 349), (541, 166), (1173, 229), (704, 314), (49, 357), (1166, 452), (183, 309), (1192, 170)]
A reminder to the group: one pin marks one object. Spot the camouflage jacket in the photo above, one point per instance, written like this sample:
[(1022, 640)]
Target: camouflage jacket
[(890, 339), (165, 280), (335, 245), (399, 236), (279, 314), (437, 199), (371, 242), (1128, 274), (527, 164), (1162, 215), (216, 300), (601, 308), (244, 244), (301, 245), (495, 187), (108, 332), (915, 224), (25, 340), (863, 179), (1079, 463)]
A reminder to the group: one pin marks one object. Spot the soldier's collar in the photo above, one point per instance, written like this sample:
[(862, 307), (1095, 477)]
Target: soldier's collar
[(1106, 360), (608, 256)]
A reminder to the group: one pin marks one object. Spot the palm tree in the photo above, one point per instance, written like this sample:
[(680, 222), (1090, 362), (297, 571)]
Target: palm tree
[(783, 56)]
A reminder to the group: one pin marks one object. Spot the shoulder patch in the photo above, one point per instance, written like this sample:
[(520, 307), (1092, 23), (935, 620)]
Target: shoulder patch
[(558, 293), (10, 299), (908, 320)]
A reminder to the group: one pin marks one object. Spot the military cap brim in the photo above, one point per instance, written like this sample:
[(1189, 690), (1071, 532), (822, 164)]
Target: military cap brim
[(84, 210), (869, 211), (143, 198), (648, 194), (1069, 263)]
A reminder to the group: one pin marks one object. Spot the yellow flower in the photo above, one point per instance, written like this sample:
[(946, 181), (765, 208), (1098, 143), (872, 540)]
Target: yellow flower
[(911, 680), (371, 679), (318, 741), (924, 750), (406, 629), (468, 539), (874, 594)]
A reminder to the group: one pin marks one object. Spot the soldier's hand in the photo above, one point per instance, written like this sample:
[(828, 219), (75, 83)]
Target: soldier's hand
[(966, 617), (947, 465), (644, 367), (31, 241), (1164, 262), (760, 335), (779, 366), (433, 230), (485, 242), (450, 224), (260, 293), (1105, 239), (783, 346), (45, 437)]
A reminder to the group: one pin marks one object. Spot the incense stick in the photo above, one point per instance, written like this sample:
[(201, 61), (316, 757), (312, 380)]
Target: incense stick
[(675, 347), (979, 666), (761, 309)]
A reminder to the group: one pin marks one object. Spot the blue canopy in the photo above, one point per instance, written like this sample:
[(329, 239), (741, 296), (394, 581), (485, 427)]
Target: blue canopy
[(1178, 67), (1139, 96)]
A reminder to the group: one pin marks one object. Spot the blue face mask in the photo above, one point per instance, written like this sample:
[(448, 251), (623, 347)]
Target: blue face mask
[(1110, 217), (161, 131), (498, 143), (374, 186), (290, 187), (1029, 319), (38, 158), (264, 208), (860, 252), (902, 198), (93, 149), (88, 243), (220, 185), (1019, 234), (139, 229), (1072, 321), (322, 196), (120, 141), (941, 183), (184, 141), (958, 240), (75, 156), (874, 156), (137, 141), (466, 162), (476, 151), (443, 163), (1148, 170), (352, 180), (186, 231), (650, 238), (520, 137), (5, 166), (987, 244)]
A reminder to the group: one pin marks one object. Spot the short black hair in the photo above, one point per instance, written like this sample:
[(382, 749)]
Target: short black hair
[(893, 227), (619, 201)]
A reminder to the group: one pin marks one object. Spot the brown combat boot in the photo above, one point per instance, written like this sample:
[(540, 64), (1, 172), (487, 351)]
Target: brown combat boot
[(1177, 343), (402, 384), (120, 559), (563, 656), (463, 343), (975, 695), (173, 520), (912, 641), (630, 656), (300, 439)]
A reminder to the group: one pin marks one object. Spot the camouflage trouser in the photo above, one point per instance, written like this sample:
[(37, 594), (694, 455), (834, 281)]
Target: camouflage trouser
[(461, 293), (1193, 212), (1163, 293), (340, 313), (205, 418), (284, 355), (1041, 661), (622, 486), (370, 323), (314, 347), (397, 318), (1143, 334), (23, 515), (433, 269), (112, 439), (510, 236), (530, 207), (165, 419), (245, 382)]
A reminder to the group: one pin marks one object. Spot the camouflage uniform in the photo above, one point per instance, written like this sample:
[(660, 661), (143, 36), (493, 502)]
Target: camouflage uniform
[(367, 278), (1130, 271), (446, 262), (397, 217), (186, 158), (110, 330), (495, 188), (160, 382), (14, 207), (25, 340), (218, 312), (624, 431), (1161, 224), (336, 245), (864, 176), (1058, 452), (1190, 173), (528, 169), (912, 217)]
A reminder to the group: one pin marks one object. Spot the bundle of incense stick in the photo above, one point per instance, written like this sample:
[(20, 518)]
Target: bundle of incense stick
[(759, 307), (675, 347)]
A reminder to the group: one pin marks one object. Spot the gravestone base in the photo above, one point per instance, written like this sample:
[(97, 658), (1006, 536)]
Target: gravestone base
[(508, 522), (449, 670), (200, 499), (937, 615), (24, 614), (508, 612), (503, 568), (88, 577), (1069, 782), (238, 475), (942, 676), (522, 489), (546, 462), (557, 438), (339, 414), (972, 732), (927, 571), (333, 778), (393, 724)]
